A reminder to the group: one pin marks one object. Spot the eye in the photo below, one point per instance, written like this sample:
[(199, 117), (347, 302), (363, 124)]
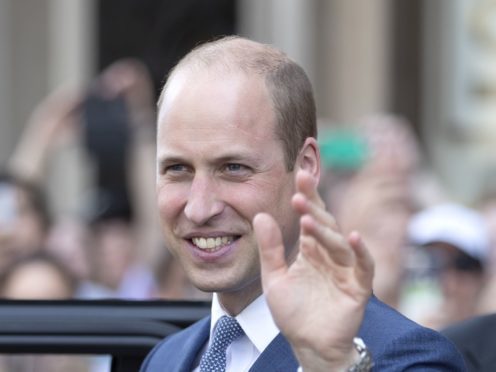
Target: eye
[(174, 169), (235, 167), (236, 170)]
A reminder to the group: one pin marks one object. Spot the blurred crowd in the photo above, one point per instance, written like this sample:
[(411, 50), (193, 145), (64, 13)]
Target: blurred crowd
[(106, 243), (435, 257)]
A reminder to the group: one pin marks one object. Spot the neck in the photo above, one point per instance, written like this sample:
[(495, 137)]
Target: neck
[(235, 302)]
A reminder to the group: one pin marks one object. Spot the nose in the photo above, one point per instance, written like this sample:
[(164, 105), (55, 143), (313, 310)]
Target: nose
[(204, 201)]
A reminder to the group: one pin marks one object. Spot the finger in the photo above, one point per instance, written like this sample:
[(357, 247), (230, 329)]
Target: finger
[(331, 243), (270, 245), (364, 261), (307, 185), (303, 205)]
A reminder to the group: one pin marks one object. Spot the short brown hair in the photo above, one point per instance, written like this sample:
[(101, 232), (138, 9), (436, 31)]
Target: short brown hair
[(286, 81)]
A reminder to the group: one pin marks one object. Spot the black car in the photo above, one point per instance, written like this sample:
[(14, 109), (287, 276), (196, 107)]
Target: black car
[(125, 331)]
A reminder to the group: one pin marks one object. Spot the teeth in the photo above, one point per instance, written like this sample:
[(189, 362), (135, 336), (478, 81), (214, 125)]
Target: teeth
[(212, 243)]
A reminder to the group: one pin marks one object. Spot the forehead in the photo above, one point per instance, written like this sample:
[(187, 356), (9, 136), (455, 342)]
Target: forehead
[(224, 108)]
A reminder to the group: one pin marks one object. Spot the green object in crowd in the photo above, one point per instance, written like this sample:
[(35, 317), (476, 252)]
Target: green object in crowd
[(343, 149)]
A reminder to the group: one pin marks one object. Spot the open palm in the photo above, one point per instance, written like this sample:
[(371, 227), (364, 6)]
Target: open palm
[(317, 301)]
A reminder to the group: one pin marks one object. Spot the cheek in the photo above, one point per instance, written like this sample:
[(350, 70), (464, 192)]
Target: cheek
[(170, 200), (263, 196)]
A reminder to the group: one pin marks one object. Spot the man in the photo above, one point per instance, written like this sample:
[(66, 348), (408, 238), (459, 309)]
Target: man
[(238, 168)]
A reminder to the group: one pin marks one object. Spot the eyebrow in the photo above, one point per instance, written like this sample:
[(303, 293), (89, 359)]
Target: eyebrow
[(166, 159), (163, 160), (238, 156)]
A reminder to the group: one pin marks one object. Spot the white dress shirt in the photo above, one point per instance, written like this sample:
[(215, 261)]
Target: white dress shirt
[(259, 327)]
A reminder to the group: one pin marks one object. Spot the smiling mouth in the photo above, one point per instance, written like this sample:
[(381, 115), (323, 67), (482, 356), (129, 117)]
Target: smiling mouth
[(213, 243)]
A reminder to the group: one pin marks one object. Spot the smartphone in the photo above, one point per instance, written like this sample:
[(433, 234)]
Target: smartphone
[(107, 138)]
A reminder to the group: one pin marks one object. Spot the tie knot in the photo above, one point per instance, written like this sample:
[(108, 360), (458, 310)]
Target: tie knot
[(227, 330)]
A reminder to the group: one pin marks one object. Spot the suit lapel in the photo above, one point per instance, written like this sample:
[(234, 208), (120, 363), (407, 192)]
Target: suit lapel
[(189, 347), (277, 357)]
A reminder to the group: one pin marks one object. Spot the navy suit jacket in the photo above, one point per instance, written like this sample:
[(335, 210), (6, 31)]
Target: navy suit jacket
[(396, 344)]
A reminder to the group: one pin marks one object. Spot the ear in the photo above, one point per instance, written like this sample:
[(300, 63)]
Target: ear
[(309, 158)]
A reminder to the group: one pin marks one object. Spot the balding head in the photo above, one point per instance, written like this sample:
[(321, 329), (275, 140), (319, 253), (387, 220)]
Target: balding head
[(286, 82)]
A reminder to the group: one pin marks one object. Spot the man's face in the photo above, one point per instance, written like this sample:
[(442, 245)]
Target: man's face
[(219, 164)]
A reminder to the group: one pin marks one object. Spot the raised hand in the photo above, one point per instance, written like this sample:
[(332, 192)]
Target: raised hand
[(318, 300), (52, 120)]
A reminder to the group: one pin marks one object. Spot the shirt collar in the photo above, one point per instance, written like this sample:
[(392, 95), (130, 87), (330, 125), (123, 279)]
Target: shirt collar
[(256, 321)]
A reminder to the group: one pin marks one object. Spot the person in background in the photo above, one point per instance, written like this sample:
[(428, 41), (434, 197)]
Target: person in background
[(40, 276), (475, 338), (455, 242), (112, 121), (118, 106), (71, 242), (117, 262), (378, 160), (26, 230), (37, 276)]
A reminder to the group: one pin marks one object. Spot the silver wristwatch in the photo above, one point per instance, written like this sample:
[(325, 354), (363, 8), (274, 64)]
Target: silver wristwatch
[(365, 362)]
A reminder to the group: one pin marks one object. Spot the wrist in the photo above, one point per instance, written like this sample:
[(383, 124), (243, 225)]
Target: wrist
[(358, 359)]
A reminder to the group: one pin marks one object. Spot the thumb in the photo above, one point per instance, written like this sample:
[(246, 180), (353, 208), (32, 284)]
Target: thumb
[(271, 247)]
